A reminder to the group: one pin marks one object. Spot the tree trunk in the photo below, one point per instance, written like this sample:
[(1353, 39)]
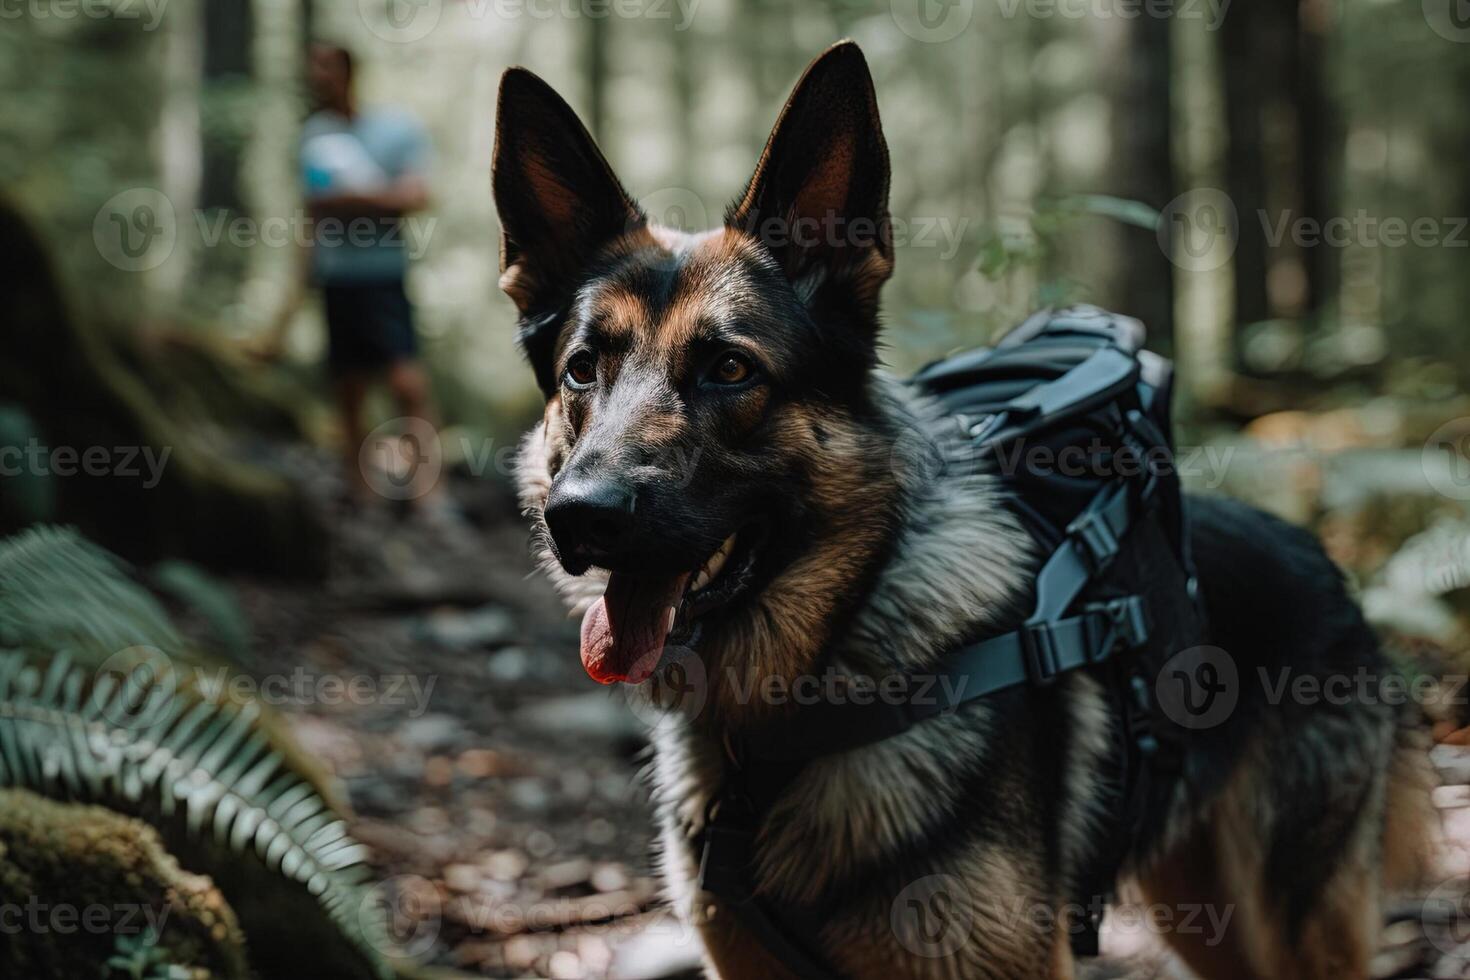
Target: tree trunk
[(229, 33), (1319, 135), (162, 491), (1143, 170), (1248, 72)]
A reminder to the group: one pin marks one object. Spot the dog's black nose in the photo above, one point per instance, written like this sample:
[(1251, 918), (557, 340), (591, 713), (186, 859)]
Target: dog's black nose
[(590, 519)]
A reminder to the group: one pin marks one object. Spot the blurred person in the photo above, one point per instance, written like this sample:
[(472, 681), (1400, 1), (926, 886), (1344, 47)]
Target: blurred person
[(362, 171)]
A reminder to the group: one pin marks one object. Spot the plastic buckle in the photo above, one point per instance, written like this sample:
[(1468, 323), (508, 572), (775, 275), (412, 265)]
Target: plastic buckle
[(1039, 650), (1129, 619), (1095, 535)]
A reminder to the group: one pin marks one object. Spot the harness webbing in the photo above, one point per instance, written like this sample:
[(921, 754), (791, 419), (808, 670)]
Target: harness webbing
[(1047, 645)]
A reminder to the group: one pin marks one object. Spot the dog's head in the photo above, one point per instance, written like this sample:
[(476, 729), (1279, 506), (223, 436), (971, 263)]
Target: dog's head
[(710, 437)]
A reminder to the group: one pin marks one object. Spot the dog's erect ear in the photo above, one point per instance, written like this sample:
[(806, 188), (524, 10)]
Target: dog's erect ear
[(559, 201), (819, 196)]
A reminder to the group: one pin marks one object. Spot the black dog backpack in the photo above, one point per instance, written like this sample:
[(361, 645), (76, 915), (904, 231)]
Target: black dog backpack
[(1073, 417)]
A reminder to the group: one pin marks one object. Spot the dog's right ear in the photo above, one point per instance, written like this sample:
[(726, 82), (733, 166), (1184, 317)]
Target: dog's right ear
[(559, 203), (819, 197)]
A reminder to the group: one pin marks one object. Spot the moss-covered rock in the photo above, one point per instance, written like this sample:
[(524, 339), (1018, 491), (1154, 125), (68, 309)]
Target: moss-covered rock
[(86, 892)]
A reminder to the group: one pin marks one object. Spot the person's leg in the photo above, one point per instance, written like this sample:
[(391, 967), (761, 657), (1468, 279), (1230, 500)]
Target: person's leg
[(422, 453), (349, 356), (351, 391), (409, 385), (407, 380), (419, 461)]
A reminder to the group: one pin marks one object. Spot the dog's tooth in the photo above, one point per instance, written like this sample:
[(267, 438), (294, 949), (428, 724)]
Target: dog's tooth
[(718, 561), (673, 615), (714, 566)]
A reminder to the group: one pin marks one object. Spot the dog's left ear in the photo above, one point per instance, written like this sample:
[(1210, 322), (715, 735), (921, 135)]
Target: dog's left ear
[(559, 204), (819, 196)]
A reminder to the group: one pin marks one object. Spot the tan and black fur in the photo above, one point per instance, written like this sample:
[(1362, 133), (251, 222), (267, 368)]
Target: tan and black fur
[(1297, 819)]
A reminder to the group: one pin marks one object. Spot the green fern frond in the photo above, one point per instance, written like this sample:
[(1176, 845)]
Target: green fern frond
[(99, 704), (143, 748), (59, 591)]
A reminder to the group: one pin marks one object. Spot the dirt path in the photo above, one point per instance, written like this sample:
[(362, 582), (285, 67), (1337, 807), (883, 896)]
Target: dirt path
[(437, 680)]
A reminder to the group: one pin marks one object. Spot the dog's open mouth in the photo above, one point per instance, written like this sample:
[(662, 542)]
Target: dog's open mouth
[(625, 633)]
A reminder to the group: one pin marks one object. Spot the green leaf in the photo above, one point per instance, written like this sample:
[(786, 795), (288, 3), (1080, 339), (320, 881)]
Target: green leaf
[(993, 259), (1134, 213)]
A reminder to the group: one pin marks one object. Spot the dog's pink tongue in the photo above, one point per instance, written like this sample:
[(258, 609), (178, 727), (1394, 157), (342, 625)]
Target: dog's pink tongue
[(623, 634)]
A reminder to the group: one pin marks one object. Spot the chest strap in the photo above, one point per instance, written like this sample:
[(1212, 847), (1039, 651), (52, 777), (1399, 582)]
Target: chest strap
[(1047, 645), (726, 871)]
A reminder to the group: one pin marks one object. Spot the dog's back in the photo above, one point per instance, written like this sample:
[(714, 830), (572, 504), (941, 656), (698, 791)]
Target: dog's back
[(1304, 791)]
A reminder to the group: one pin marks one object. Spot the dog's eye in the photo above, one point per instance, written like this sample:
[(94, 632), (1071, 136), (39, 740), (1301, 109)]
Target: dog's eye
[(731, 369), (581, 371)]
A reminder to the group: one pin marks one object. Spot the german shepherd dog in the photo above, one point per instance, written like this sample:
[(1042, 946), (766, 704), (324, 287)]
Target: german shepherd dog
[(715, 477)]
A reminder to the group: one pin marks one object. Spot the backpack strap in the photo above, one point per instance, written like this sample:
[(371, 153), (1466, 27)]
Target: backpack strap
[(726, 863), (1099, 379), (1047, 645)]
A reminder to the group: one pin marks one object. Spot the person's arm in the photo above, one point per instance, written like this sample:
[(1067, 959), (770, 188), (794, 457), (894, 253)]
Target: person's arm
[(405, 195), (408, 189)]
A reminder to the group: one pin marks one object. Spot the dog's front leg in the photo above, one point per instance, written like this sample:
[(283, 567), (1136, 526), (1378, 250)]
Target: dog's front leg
[(733, 953), (1001, 952)]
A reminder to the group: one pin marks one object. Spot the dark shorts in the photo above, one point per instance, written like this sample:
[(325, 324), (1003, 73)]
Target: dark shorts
[(369, 326)]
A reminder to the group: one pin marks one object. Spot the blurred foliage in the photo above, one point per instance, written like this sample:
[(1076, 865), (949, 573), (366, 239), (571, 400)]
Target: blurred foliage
[(1002, 140), (100, 385), (211, 600), (29, 497), (42, 606)]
